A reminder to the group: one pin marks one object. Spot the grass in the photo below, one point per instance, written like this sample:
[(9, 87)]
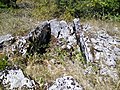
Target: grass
[(112, 28), (20, 21), (15, 22)]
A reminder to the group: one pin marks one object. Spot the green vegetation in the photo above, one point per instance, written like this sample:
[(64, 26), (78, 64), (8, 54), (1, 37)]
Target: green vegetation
[(20, 20), (68, 9), (3, 61), (99, 9)]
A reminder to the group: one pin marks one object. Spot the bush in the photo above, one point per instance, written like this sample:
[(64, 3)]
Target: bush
[(90, 8)]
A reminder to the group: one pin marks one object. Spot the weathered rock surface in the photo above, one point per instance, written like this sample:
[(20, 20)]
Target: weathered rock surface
[(65, 83), (94, 46), (97, 47), (64, 33), (5, 41), (35, 41), (13, 78), (5, 38)]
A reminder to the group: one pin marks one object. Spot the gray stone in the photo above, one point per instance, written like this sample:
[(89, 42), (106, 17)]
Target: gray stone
[(55, 27), (98, 47), (35, 41), (109, 72), (59, 29), (77, 25), (63, 32), (65, 83), (5, 38), (5, 41), (95, 46), (13, 78)]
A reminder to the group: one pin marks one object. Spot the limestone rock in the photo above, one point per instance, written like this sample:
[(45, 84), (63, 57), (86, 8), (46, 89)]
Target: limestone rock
[(63, 32), (5, 38), (35, 41), (5, 41), (96, 46), (65, 83), (109, 71), (13, 78), (55, 28)]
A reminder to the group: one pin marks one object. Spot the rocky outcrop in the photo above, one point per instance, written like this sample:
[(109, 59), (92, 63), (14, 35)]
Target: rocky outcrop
[(97, 47), (12, 78), (101, 46), (38, 39), (35, 41), (5, 38), (94, 46), (65, 83)]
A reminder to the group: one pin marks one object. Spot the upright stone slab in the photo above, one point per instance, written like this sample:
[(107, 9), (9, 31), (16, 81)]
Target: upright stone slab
[(63, 33), (35, 41)]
